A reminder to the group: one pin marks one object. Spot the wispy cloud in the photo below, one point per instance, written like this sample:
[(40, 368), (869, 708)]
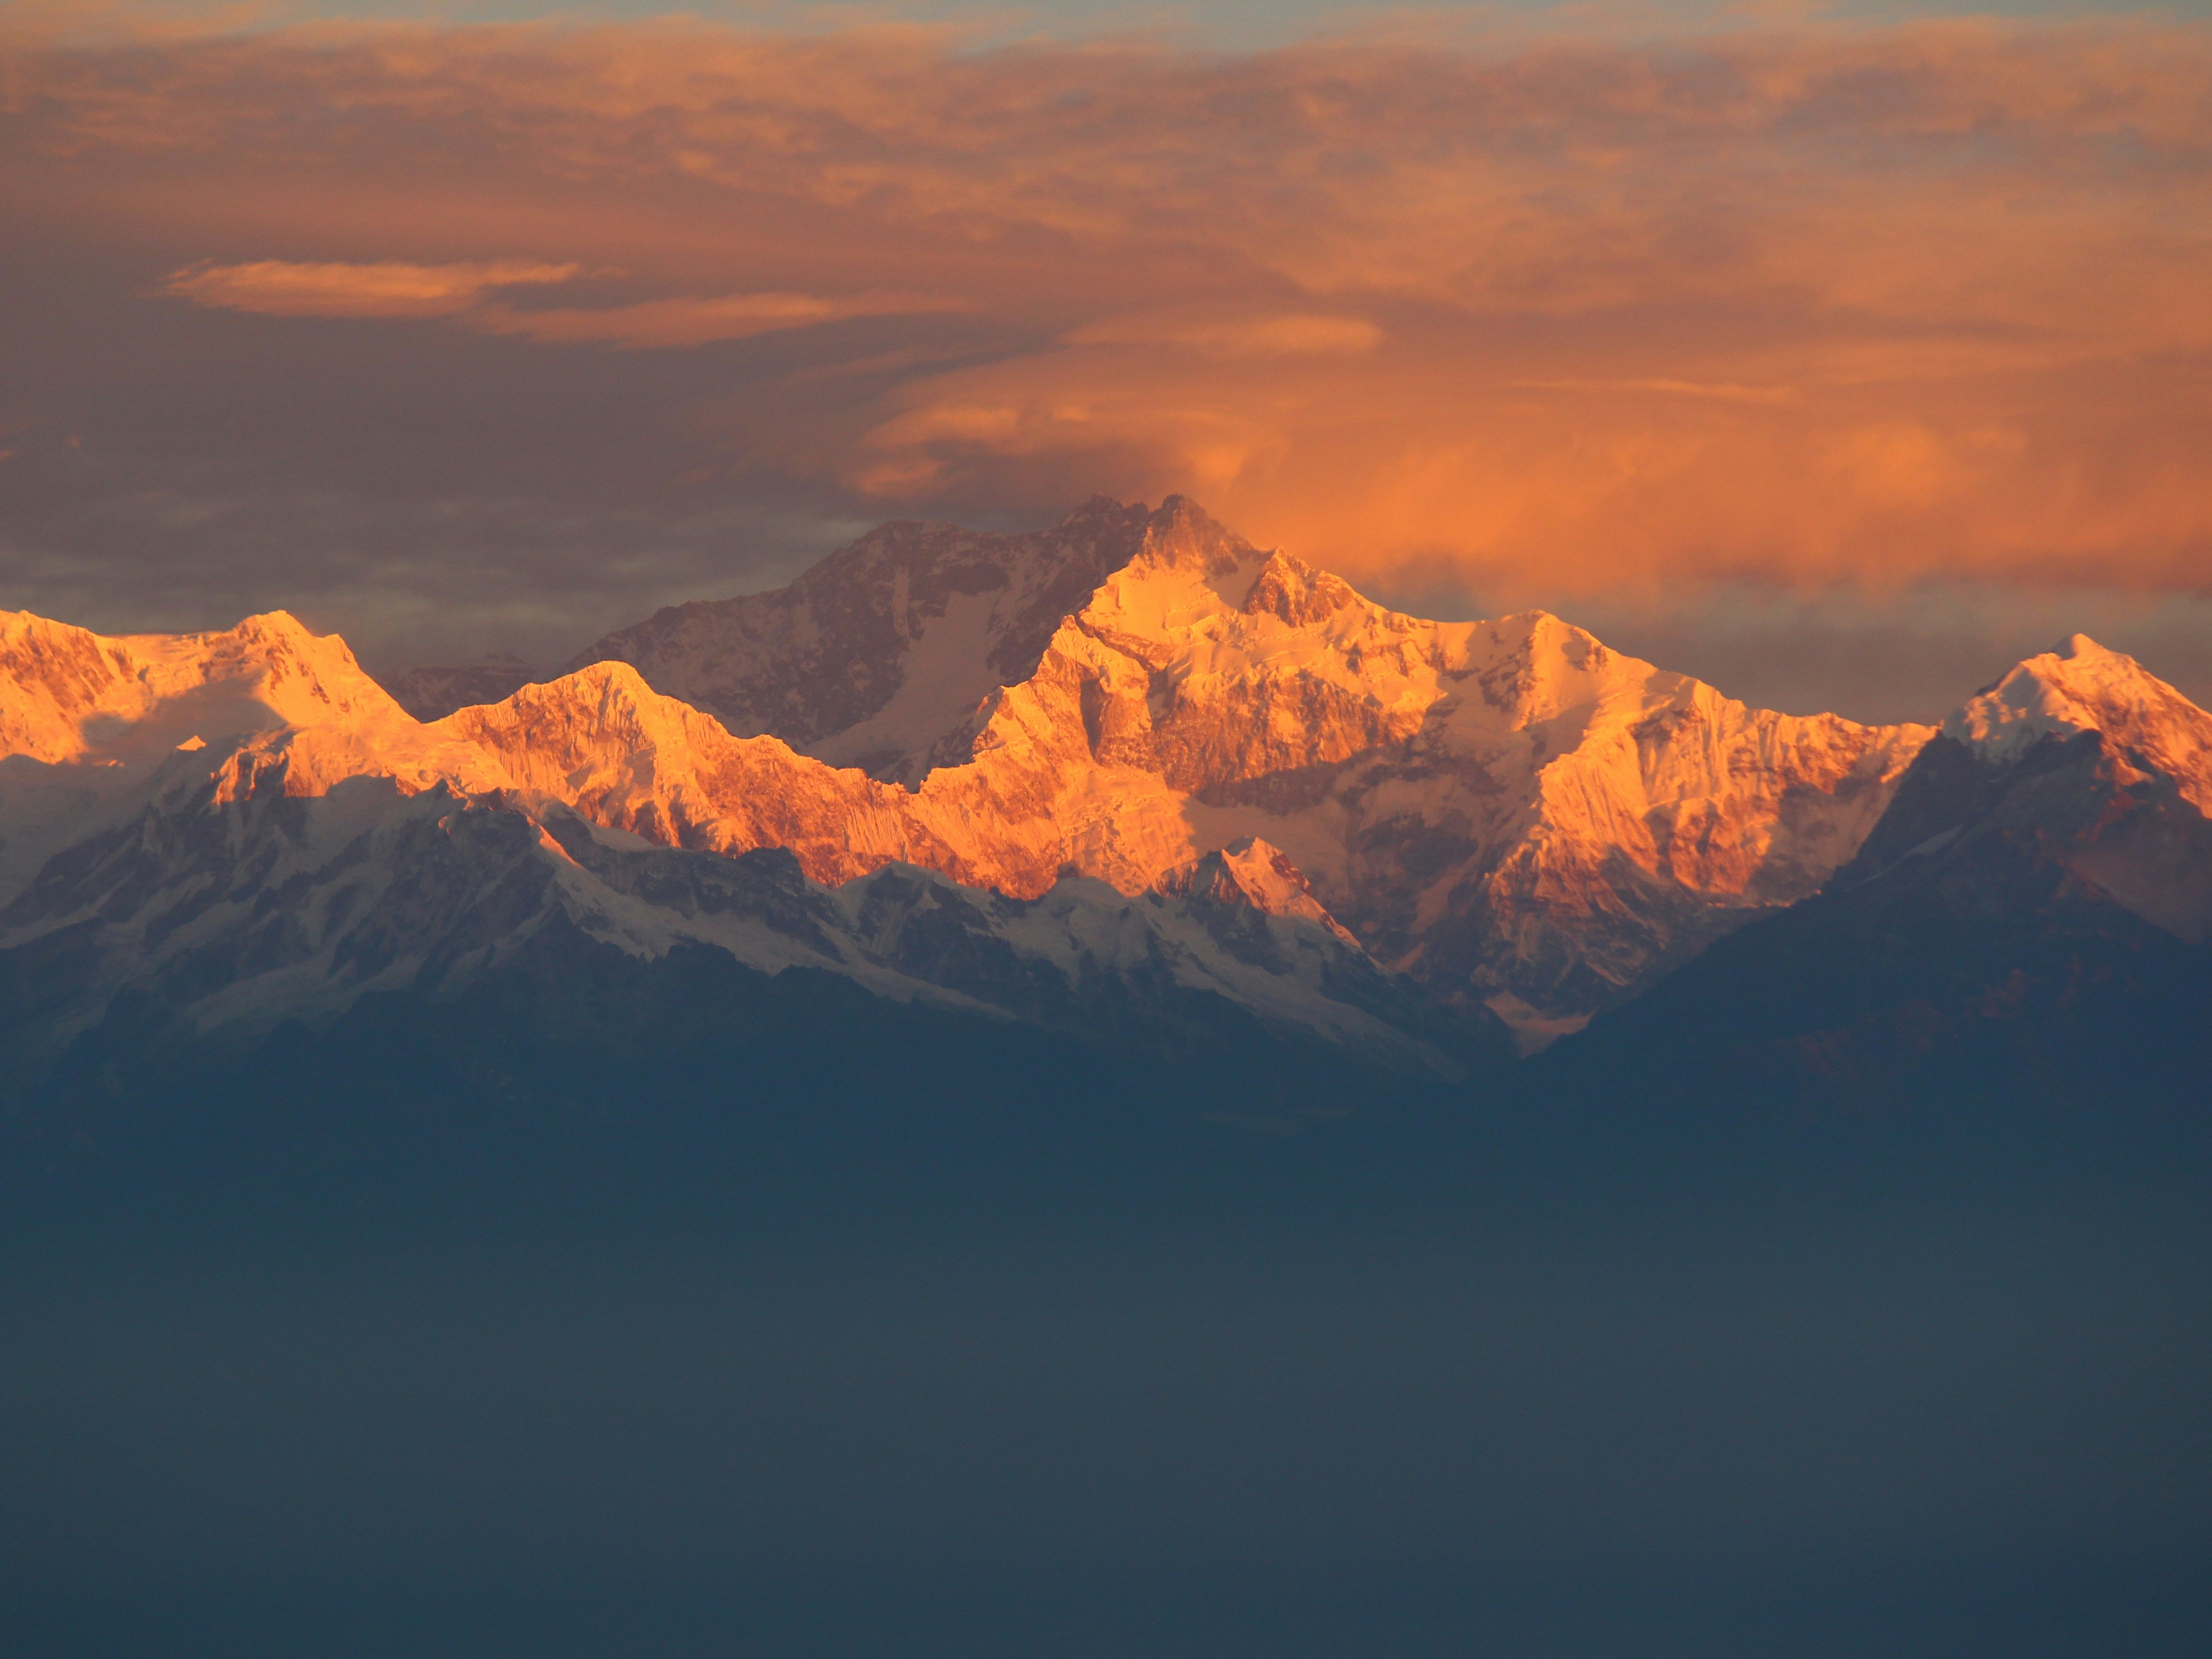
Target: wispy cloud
[(463, 292), (280, 287)]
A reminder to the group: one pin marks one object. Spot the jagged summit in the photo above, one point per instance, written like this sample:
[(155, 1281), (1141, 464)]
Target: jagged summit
[(2083, 687), (67, 695), (2030, 914), (1251, 874), (2079, 758), (71, 693), (1185, 750), (1505, 809), (92, 728), (602, 741), (879, 656)]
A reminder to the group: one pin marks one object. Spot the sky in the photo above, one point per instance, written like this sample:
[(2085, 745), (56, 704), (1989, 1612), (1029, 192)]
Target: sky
[(1839, 355)]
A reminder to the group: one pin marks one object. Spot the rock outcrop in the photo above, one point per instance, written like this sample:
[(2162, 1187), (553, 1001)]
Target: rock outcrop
[(432, 692), (877, 656)]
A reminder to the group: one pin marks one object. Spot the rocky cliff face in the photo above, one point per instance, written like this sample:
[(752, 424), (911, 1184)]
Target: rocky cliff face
[(431, 693), (879, 656)]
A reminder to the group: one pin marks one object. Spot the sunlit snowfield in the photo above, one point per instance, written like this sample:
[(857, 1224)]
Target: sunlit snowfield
[(908, 1382)]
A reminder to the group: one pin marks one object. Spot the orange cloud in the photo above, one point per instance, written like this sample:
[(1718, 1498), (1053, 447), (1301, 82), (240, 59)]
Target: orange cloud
[(1288, 335), (460, 292), (1802, 305), (279, 288)]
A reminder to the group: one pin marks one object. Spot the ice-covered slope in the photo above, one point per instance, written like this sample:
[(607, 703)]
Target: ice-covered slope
[(241, 827), (604, 742), (2081, 758), (91, 726), (2081, 687), (1506, 808), (878, 656), (71, 695), (217, 913), (2030, 916)]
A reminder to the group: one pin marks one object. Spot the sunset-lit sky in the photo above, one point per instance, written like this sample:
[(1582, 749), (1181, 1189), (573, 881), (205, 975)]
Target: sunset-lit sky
[(1839, 355)]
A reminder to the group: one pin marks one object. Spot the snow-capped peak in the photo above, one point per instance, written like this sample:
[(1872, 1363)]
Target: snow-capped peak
[(2080, 686), (879, 656), (2066, 690), (1254, 872), (72, 694), (1134, 690)]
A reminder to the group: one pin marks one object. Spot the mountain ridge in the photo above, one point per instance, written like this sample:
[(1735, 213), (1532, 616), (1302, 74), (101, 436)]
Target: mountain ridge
[(1229, 777), (240, 908), (1506, 810), (2030, 916), (1433, 781), (879, 656)]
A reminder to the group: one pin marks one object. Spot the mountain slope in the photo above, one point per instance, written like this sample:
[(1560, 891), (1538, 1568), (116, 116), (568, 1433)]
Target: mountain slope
[(1506, 810), (92, 727), (2031, 914), (231, 904), (75, 696), (879, 656)]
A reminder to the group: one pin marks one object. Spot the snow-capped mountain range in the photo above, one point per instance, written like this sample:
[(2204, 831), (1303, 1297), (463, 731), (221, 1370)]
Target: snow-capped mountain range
[(1506, 810), (880, 656), (2030, 918), (1005, 774), (2079, 759)]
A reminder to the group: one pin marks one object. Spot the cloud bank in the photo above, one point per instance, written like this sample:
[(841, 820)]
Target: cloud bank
[(1559, 320)]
